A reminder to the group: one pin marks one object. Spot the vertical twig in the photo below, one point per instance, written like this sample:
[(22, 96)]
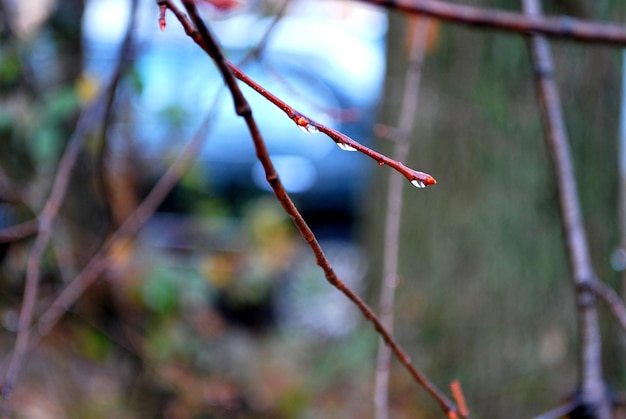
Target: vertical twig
[(406, 124), (592, 387), (46, 220), (124, 60)]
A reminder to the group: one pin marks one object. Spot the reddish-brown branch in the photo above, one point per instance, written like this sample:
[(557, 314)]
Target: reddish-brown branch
[(459, 398), (592, 387), (560, 27), (272, 177), (418, 179)]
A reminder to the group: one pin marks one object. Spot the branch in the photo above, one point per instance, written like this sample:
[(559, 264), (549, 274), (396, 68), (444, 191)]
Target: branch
[(417, 179), (46, 219), (391, 243), (245, 112), (610, 297), (130, 227), (19, 231), (560, 411), (125, 59), (558, 27), (593, 392), (88, 118)]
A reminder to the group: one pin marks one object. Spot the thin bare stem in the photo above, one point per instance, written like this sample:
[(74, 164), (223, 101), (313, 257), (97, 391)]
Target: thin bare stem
[(406, 124), (560, 27), (592, 388), (418, 179), (19, 231), (46, 219), (459, 398), (560, 411), (87, 120), (130, 227), (99, 262), (612, 299), (243, 109), (125, 59)]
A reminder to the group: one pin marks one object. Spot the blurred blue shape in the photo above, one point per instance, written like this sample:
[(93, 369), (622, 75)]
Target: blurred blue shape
[(329, 69)]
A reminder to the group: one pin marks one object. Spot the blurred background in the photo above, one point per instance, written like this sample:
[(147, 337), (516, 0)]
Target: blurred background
[(216, 309)]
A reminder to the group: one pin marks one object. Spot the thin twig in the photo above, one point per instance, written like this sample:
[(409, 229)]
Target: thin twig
[(46, 219), (126, 56), (560, 411), (262, 44), (130, 227), (406, 124), (593, 390), (243, 109), (418, 179), (459, 398), (99, 262), (560, 27), (87, 120), (19, 231), (612, 299)]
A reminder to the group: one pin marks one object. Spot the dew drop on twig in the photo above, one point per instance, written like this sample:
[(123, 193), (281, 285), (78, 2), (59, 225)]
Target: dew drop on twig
[(308, 128), (345, 147), (418, 183), (304, 125)]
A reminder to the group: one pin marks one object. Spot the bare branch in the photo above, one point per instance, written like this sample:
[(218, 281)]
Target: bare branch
[(19, 231), (612, 299), (88, 119), (560, 411), (593, 393), (272, 177), (46, 220), (130, 227), (125, 58), (559, 27), (391, 243), (417, 179), (459, 398)]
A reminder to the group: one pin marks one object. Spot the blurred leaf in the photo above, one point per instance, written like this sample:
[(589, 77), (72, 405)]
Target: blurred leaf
[(87, 88), (160, 290), (10, 68), (93, 344)]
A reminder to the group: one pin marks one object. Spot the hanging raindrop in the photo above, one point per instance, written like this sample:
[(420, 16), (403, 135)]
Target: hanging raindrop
[(304, 125), (308, 128), (418, 184), (345, 147)]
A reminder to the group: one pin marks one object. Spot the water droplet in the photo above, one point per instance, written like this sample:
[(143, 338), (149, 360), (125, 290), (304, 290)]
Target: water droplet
[(308, 128), (381, 163), (304, 125), (345, 147), (418, 183)]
